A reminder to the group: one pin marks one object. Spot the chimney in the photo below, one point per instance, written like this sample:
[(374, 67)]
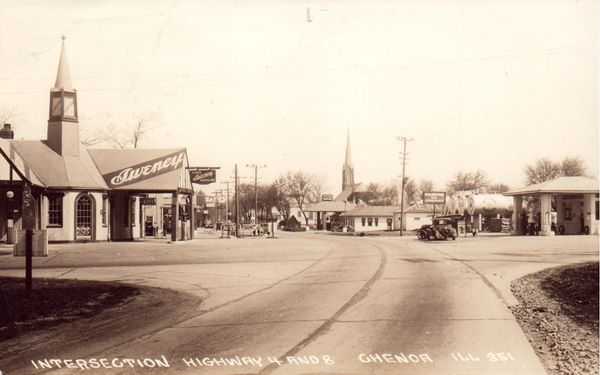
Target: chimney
[(7, 132)]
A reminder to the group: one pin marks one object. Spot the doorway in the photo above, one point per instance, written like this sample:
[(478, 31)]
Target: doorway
[(84, 218)]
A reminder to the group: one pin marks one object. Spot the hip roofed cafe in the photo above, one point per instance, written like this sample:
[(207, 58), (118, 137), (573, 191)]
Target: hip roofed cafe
[(89, 194)]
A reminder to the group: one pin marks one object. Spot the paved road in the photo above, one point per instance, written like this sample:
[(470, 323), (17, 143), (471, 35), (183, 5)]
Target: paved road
[(316, 303)]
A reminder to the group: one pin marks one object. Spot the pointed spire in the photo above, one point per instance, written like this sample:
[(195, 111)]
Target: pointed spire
[(348, 160), (63, 76)]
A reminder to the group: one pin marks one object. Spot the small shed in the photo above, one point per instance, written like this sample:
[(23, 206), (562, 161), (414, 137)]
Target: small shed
[(292, 224)]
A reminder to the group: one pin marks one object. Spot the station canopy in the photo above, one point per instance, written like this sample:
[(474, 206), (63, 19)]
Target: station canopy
[(560, 185)]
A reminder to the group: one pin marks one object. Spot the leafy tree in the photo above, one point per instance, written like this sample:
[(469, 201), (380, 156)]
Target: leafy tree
[(468, 181)]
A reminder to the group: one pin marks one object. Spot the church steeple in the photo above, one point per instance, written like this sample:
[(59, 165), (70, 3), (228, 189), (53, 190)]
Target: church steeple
[(63, 76), (63, 129), (348, 168)]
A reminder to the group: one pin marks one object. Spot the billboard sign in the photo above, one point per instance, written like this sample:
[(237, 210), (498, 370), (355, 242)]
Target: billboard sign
[(210, 202), (148, 201), (326, 197), (434, 197), (203, 176)]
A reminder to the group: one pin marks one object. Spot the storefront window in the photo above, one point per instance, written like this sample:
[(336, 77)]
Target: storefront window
[(376, 221), (370, 221), (363, 221), (55, 211)]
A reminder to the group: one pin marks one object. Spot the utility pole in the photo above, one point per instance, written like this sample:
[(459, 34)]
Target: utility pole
[(237, 204), (216, 209), (255, 166), (219, 196), (227, 208), (403, 140)]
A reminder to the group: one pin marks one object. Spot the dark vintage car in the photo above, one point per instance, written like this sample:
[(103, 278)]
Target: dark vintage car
[(442, 228)]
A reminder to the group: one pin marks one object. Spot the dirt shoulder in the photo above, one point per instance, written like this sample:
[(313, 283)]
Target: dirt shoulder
[(109, 314), (558, 312)]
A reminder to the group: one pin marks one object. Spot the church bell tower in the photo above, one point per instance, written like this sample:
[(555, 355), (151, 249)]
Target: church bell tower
[(348, 168), (63, 126)]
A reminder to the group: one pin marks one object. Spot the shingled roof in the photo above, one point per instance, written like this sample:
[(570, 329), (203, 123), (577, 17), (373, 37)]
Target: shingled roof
[(44, 167), (372, 211)]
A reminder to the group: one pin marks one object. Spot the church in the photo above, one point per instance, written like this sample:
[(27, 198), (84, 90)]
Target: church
[(85, 194)]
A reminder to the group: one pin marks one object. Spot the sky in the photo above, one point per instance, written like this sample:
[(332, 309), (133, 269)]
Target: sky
[(480, 84)]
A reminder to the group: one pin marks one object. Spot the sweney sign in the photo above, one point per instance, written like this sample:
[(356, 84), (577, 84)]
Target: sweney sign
[(146, 170), (203, 176)]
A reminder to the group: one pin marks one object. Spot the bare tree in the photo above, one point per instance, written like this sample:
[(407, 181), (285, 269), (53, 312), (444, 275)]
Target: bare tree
[(411, 192), (544, 169), (300, 187), (389, 195), (129, 133), (143, 123), (425, 186), (372, 193), (282, 203), (8, 113), (572, 166), (317, 190), (498, 187), (468, 181)]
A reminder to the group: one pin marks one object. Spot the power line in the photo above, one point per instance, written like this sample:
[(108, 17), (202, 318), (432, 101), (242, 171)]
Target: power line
[(322, 74)]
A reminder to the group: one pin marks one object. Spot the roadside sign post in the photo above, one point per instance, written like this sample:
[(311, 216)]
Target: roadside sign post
[(28, 225), (434, 197)]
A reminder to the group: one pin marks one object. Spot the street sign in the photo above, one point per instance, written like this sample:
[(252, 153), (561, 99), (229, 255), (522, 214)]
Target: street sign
[(28, 208), (326, 197), (148, 201), (434, 197), (210, 202), (203, 176)]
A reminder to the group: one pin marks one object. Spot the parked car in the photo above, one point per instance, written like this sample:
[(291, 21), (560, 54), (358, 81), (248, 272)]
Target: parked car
[(442, 228), (340, 228)]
